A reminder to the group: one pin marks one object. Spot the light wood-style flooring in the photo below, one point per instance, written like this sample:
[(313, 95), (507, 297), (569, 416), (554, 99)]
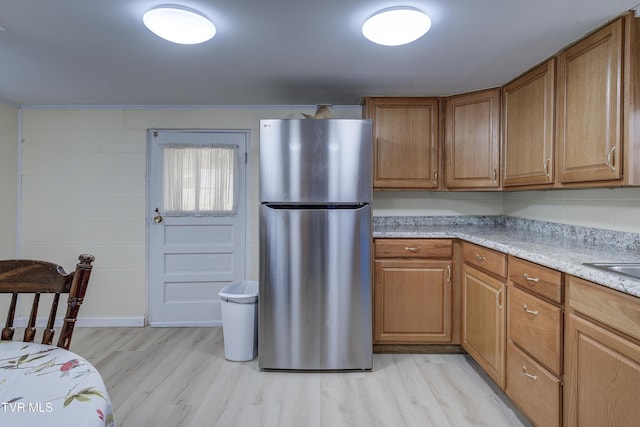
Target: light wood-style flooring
[(179, 377)]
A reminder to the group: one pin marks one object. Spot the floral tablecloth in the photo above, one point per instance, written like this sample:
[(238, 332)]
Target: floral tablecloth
[(41, 385)]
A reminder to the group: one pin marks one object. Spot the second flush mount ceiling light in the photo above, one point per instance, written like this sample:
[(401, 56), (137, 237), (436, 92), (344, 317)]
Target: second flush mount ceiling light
[(179, 24), (396, 26)]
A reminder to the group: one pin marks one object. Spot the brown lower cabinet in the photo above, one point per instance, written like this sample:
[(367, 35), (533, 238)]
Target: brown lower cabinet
[(535, 321), (602, 386), (413, 291), (483, 325), (566, 351), (484, 308)]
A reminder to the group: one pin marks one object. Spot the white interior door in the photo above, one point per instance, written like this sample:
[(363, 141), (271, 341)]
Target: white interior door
[(197, 236)]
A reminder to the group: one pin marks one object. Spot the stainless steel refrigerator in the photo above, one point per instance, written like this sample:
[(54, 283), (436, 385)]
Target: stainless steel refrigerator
[(314, 304)]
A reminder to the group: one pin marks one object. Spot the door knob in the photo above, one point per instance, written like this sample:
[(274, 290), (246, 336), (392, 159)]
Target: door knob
[(158, 218)]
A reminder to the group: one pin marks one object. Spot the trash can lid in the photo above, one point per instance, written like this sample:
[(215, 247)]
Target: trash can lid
[(245, 292)]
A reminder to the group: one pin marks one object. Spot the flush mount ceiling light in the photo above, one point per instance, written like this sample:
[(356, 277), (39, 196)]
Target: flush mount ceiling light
[(179, 24), (396, 26)]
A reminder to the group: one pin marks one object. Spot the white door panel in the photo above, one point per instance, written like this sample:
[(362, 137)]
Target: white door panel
[(191, 258)]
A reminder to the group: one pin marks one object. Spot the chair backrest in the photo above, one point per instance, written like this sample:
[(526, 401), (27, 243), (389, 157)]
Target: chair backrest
[(21, 276)]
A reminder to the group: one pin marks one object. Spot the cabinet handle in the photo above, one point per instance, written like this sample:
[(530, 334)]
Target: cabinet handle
[(495, 175), (435, 177), (498, 299), (545, 165), (527, 374), (480, 257), (448, 273), (611, 159), (412, 249), (528, 310), (530, 279)]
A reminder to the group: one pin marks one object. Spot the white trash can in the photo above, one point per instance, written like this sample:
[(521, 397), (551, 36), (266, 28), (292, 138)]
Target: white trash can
[(240, 320)]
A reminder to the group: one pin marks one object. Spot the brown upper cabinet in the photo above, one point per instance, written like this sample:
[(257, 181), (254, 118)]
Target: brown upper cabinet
[(472, 138), (597, 126), (406, 142), (589, 110), (527, 128), (573, 121)]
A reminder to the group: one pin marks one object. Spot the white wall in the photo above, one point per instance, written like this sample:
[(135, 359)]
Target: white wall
[(8, 180), (84, 179)]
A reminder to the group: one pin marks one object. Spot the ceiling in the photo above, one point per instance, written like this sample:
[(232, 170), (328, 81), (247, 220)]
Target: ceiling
[(275, 52)]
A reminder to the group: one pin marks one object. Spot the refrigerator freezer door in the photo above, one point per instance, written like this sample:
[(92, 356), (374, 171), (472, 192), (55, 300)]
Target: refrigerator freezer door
[(315, 289), (315, 161)]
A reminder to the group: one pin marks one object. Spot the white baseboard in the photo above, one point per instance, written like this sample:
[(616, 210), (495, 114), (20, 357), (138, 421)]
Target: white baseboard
[(115, 322), (100, 322), (93, 322), (185, 324)]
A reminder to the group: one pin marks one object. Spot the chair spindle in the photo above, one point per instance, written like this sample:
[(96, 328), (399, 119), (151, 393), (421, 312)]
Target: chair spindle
[(7, 331), (49, 332), (30, 330)]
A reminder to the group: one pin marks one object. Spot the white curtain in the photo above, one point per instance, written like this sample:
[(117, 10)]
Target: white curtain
[(200, 180)]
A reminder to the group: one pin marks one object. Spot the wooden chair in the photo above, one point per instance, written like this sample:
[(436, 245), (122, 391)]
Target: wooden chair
[(40, 277)]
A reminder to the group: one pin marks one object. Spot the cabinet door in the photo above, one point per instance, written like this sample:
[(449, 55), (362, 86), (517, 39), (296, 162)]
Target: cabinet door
[(527, 126), (405, 142), (472, 140), (412, 301), (483, 324), (589, 107), (603, 377)]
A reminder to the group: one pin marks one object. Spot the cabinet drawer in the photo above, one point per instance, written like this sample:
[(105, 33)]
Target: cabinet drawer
[(615, 309), (413, 248), (533, 389), (536, 326), (536, 278), (485, 259)]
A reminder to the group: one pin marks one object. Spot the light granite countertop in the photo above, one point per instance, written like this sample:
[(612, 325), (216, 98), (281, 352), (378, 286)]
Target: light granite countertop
[(560, 247)]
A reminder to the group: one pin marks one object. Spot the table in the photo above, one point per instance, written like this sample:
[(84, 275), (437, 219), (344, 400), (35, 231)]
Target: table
[(42, 385)]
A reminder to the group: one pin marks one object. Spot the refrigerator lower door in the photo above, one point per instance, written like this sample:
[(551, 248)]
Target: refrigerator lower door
[(314, 304)]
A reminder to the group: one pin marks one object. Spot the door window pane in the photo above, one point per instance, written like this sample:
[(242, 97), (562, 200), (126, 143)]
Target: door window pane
[(200, 180)]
